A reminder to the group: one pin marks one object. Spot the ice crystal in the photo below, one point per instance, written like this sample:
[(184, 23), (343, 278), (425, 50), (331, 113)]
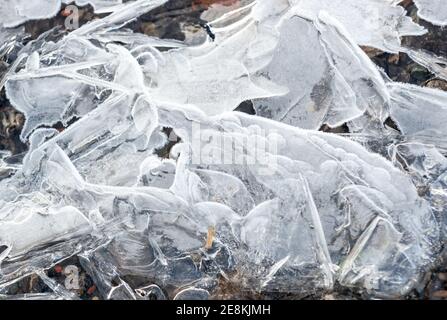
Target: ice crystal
[(153, 175)]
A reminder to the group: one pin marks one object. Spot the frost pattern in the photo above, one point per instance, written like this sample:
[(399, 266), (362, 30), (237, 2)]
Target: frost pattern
[(320, 211)]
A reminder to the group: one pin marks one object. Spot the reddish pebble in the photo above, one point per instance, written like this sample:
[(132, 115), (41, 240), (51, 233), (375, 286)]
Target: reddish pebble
[(65, 13), (58, 269), (91, 290)]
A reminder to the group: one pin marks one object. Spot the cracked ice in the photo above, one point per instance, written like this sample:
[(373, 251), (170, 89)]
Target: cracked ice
[(264, 200)]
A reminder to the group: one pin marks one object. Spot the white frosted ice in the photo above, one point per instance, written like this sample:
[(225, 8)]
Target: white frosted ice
[(37, 225), (434, 11), (420, 113), (16, 12), (330, 80), (375, 23), (435, 64), (96, 4)]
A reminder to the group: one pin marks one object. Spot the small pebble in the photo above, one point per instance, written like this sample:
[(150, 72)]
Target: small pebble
[(442, 276), (91, 290), (394, 59)]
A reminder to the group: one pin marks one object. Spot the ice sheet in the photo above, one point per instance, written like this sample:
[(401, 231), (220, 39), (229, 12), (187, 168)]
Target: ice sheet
[(158, 187), (434, 11)]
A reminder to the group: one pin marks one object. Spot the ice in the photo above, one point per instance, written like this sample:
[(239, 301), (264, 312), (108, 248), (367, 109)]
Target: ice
[(217, 75), (362, 189), (435, 64), (15, 13), (330, 80), (375, 23), (32, 296), (18, 12), (433, 11), (159, 188), (151, 291), (97, 5), (192, 294), (6, 37), (119, 17), (77, 97), (428, 168), (192, 76), (420, 113), (31, 228)]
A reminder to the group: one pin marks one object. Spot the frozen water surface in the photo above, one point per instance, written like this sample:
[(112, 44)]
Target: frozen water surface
[(159, 188), (434, 11)]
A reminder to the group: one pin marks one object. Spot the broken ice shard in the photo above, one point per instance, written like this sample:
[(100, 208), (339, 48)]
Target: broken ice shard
[(420, 113), (434, 11), (15, 12), (375, 23), (330, 80)]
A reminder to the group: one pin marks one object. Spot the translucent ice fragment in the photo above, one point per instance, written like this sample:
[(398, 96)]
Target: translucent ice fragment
[(307, 213), (435, 64), (428, 169), (376, 253), (40, 226), (215, 81), (119, 18), (151, 291), (226, 189), (96, 4), (6, 35), (157, 173), (243, 198), (83, 77), (434, 11), (264, 233), (192, 294), (330, 80), (16, 12), (422, 161), (29, 96), (420, 113), (375, 23), (118, 143), (348, 189)]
